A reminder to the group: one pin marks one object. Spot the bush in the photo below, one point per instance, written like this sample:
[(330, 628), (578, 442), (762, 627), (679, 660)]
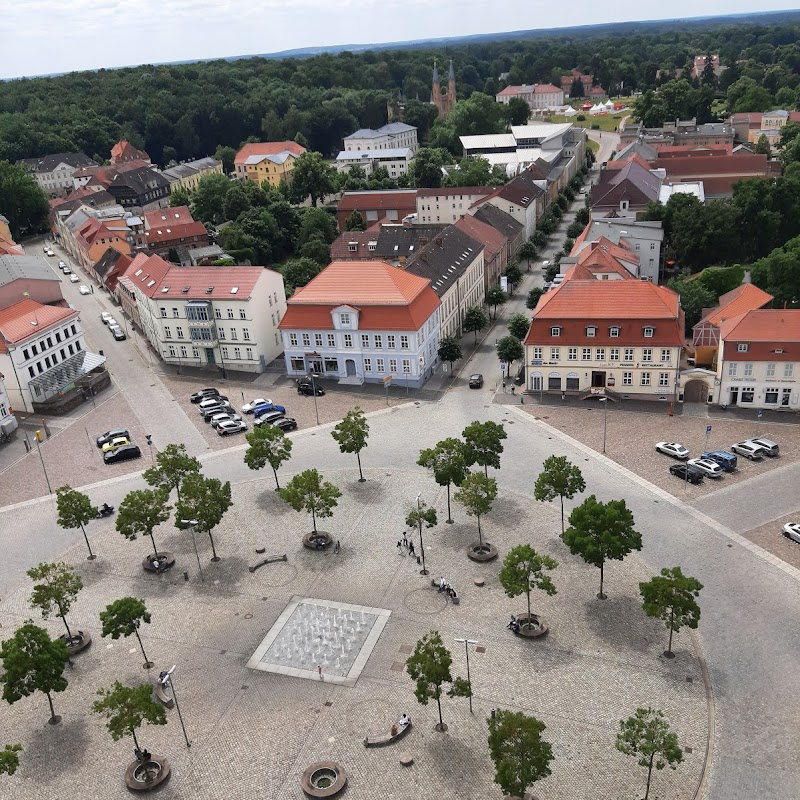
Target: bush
[(580, 118), (595, 126)]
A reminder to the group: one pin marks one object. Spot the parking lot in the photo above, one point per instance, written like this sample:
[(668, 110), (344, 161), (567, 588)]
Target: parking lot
[(771, 538)]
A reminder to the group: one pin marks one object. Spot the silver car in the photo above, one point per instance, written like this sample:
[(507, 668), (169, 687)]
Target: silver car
[(706, 466), (230, 426), (224, 416), (749, 450), (771, 448)]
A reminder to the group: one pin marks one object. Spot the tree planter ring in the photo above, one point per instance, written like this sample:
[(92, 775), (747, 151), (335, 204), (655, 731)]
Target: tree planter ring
[(317, 541), (165, 561), (146, 776), (538, 628), (482, 552), (323, 779), (80, 641)]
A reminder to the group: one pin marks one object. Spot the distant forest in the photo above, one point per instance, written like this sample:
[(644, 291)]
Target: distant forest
[(189, 110)]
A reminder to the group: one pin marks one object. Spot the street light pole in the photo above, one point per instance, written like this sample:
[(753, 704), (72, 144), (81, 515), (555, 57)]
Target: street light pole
[(423, 571), (191, 523), (467, 643), (38, 447), (314, 392), (166, 680), (604, 401)]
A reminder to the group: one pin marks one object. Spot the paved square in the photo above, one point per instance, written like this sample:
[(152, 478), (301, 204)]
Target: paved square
[(309, 634)]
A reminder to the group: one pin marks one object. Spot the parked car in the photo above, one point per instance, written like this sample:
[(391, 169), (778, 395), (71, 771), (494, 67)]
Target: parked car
[(771, 448), (545, 266), (791, 530), (61, 265), (73, 278), (268, 418), (223, 416), (309, 389), (476, 381), (111, 321), (212, 400), (124, 453), (673, 449), (106, 317), (203, 394), (726, 460), (231, 426), (117, 441), (117, 332), (285, 424), (83, 289), (248, 408), (103, 438), (708, 467), (65, 269), (749, 450), (262, 409), (50, 253), (686, 473), (219, 408)]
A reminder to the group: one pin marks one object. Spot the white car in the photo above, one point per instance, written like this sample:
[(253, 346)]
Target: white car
[(49, 253), (231, 426), (106, 317), (673, 449), (770, 448), (749, 450), (73, 278), (791, 530), (62, 265), (248, 407), (709, 468), (545, 265), (83, 289)]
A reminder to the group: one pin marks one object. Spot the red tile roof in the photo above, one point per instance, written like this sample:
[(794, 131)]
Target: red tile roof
[(454, 190), (268, 149), (546, 88), (180, 231), (28, 319), (166, 216), (492, 240), (125, 150), (746, 297), (763, 325), (387, 298), (403, 199)]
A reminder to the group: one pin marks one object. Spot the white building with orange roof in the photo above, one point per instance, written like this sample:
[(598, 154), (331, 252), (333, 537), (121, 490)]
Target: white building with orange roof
[(363, 322)]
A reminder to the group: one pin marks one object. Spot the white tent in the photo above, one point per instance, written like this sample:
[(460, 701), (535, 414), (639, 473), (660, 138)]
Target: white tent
[(598, 109), (610, 105), (570, 112)]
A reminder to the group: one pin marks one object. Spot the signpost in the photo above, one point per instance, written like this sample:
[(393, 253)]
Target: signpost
[(708, 432), (387, 382), (760, 413)]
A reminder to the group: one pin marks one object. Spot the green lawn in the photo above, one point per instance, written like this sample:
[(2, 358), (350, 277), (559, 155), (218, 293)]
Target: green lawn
[(607, 122), (593, 145)]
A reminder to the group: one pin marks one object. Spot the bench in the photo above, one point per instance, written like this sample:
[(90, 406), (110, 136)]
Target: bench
[(268, 560), (162, 696), (456, 600), (386, 738)]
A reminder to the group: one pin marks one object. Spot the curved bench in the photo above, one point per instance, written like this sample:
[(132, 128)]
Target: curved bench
[(386, 738), (162, 696)]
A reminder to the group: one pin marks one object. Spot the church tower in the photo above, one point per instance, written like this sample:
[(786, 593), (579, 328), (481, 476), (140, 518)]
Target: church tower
[(444, 102), (451, 89), (436, 92)]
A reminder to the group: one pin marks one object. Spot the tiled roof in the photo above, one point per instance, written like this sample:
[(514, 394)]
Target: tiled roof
[(268, 149), (405, 199), (499, 220), (8, 247), (633, 179), (738, 166), (27, 319), (140, 180), (452, 191), (180, 215), (763, 325), (49, 163), (492, 240), (126, 150), (545, 88), (164, 233), (445, 258), (746, 297), (603, 255), (110, 266)]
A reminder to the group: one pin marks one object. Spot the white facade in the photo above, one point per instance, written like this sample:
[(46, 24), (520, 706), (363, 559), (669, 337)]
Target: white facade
[(466, 292), (8, 422), (447, 206), (758, 384), (389, 137), (395, 161)]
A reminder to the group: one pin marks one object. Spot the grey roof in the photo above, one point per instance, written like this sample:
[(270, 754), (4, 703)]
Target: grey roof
[(189, 168), (367, 155), (445, 258), (107, 261), (213, 251), (49, 163), (35, 268), (499, 220), (386, 130), (403, 241), (639, 147), (140, 180)]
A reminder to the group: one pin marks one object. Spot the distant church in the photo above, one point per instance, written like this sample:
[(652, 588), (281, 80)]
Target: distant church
[(444, 102)]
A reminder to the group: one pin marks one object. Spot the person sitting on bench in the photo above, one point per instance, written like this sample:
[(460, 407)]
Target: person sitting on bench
[(404, 721)]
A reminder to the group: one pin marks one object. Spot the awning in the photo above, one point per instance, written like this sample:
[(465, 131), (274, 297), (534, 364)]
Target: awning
[(64, 375)]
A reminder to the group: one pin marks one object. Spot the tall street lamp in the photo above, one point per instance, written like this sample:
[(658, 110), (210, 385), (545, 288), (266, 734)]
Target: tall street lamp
[(314, 392), (467, 643), (423, 571), (166, 680), (604, 401), (191, 523)]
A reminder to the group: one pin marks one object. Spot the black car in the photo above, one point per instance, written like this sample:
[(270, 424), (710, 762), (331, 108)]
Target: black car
[(476, 381), (285, 424), (117, 332), (308, 388), (686, 473), (106, 437), (203, 394), (124, 453)]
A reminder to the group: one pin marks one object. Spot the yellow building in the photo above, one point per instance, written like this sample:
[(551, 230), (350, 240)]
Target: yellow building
[(187, 176), (272, 162)]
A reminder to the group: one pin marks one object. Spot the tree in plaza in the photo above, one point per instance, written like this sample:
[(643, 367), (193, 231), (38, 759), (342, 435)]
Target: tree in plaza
[(670, 597), (510, 349), (558, 478), (450, 351), (127, 708), (75, 510), (205, 502), (475, 319), (483, 444), (524, 569), (141, 512), (123, 617), (311, 177), (309, 492), (24, 203), (534, 295), (447, 461), (514, 275), (518, 325), (421, 515), (172, 466), (528, 251), (476, 494), (56, 591), (32, 661), (429, 667), (520, 755), (267, 445), (9, 759), (355, 222), (647, 736), (352, 434), (495, 296), (539, 239), (599, 531)]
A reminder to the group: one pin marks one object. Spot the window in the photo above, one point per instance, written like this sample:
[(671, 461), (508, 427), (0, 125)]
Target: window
[(167, 332), (195, 353), (748, 370), (663, 378), (365, 340), (628, 355), (652, 245), (26, 354), (771, 396), (788, 370), (179, 332), (555, 331), (406, 366), (648, 332), (555, 353), (771, 370), (344, 319), (348, 340), (293, 339), (537, 353), (163, 312), (242, 314), (645, 379), (615, 353), (742, 347), (666, 355), (31, 372), (732, 367), (183, 351), (600, 354), (175, 313), (393, 366), (331, 340), (586, 354), (748, 393), (233, 336), (379, 364), (246, 334), (317, 340), (230, 313), (367, 365), (613, 332), (224, 352), (591, 331), (403, 342), (390, 341), (647, 354), (378, 341), (298, 365), (627, 378), (236, 353), (172, 351), (572, 354), (218, 313)]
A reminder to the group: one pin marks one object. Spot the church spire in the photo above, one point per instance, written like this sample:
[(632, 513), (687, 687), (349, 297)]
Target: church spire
[(435, 72), (452, 75)]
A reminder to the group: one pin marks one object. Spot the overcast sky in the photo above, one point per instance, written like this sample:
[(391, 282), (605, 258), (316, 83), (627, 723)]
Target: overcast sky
[(44, 36)]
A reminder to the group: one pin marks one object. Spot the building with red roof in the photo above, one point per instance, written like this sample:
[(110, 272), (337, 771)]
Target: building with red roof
[(382, 205), (363, 322), (124, 151), (270, 162), (536, 95)]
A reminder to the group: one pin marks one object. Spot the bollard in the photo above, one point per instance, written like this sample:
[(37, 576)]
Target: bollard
[(186, 576)]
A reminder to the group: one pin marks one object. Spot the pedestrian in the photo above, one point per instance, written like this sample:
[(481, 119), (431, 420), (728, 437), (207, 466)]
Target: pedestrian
[(336, 547), (411, 548), (563, 395), (504, 387), (405, 539), (400, 546), (513, 390), (319, 671)]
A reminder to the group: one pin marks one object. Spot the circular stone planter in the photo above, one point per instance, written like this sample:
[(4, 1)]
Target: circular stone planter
[(482, 552), (147, 775), (539, 624), (310, 540), (80, 641), (165, 561), (323, 779)]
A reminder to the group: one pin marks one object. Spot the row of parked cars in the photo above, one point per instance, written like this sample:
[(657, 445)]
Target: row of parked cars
[(113, 326), (117, 445), (715, 463), (218, 411)]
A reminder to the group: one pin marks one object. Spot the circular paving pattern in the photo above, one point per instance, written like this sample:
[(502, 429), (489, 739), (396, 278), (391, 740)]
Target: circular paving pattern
[(425, 601), (278, 573)]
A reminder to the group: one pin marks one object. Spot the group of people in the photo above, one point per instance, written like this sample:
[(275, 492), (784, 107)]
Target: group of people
[(404, 546), (514, 624), (400, 725), (442, 586)]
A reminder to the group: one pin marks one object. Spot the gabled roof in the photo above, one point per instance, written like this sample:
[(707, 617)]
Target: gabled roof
[(405, 199), (746, 297), (763, 325), (268, 149), (603, 255), (453, 191), (27, 319), (180, 215), (50, 162), (445, 258), (491, 238), (140, 181), (125, 151), (168, 233), (391, 129), (499, 220), (631, 180), (14, 267), (110, 266)]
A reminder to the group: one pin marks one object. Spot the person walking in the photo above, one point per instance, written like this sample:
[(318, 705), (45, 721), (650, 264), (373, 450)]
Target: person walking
[(411, 548)]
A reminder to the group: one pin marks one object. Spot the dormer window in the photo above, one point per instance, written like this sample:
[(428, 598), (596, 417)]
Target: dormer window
[(648, 332), (742, 347), (591, 331), (555, 331), (613, 331), (344, 319)]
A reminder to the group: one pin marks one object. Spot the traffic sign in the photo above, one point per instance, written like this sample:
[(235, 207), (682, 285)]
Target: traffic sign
[(708, 429), (502, 365), (760, 413), (387, 381)]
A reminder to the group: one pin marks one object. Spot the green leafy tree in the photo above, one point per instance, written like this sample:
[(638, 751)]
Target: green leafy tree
[(517, 111), (558, 478), (205, 501), (24, 204), (75, 510), (179, 197), (647, 736), (267, 445), (477, 493), (475, 319), (429, 666), (520, 755), (127, 708), (475, 171), (32, 661), (355, 222), (450, 351), (528, 252), (227, 155), (694, 298), (141, 512), (448, 462), (421, 515), (600, 531), (9, 759), (300, 271), (309, 492), (524, 569), (312, 177), (426, 168), (514, 275), (495, 296), (670, 597), (352, 434), (173, 465), (510, 349), (123, 617), (534, 295), (208, 198), (58, 588), (518, 325), (483, 444), (779, 273), (539, 239), (762, 146)]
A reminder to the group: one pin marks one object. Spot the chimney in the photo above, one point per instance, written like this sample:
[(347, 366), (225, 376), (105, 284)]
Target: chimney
[(423, 240), (423, 256), (439, 242)]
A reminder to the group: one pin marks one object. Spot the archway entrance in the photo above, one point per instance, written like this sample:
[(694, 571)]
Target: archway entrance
[(696, 391)]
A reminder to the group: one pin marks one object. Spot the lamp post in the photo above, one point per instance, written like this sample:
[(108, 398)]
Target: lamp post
[(150, 445), (191, 523), (604, 401), (467, 643), (166, 680), (38, 447), (314, 392), (423, 571)]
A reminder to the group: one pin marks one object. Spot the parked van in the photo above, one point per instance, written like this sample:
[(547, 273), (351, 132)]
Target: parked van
[(726, 460)]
